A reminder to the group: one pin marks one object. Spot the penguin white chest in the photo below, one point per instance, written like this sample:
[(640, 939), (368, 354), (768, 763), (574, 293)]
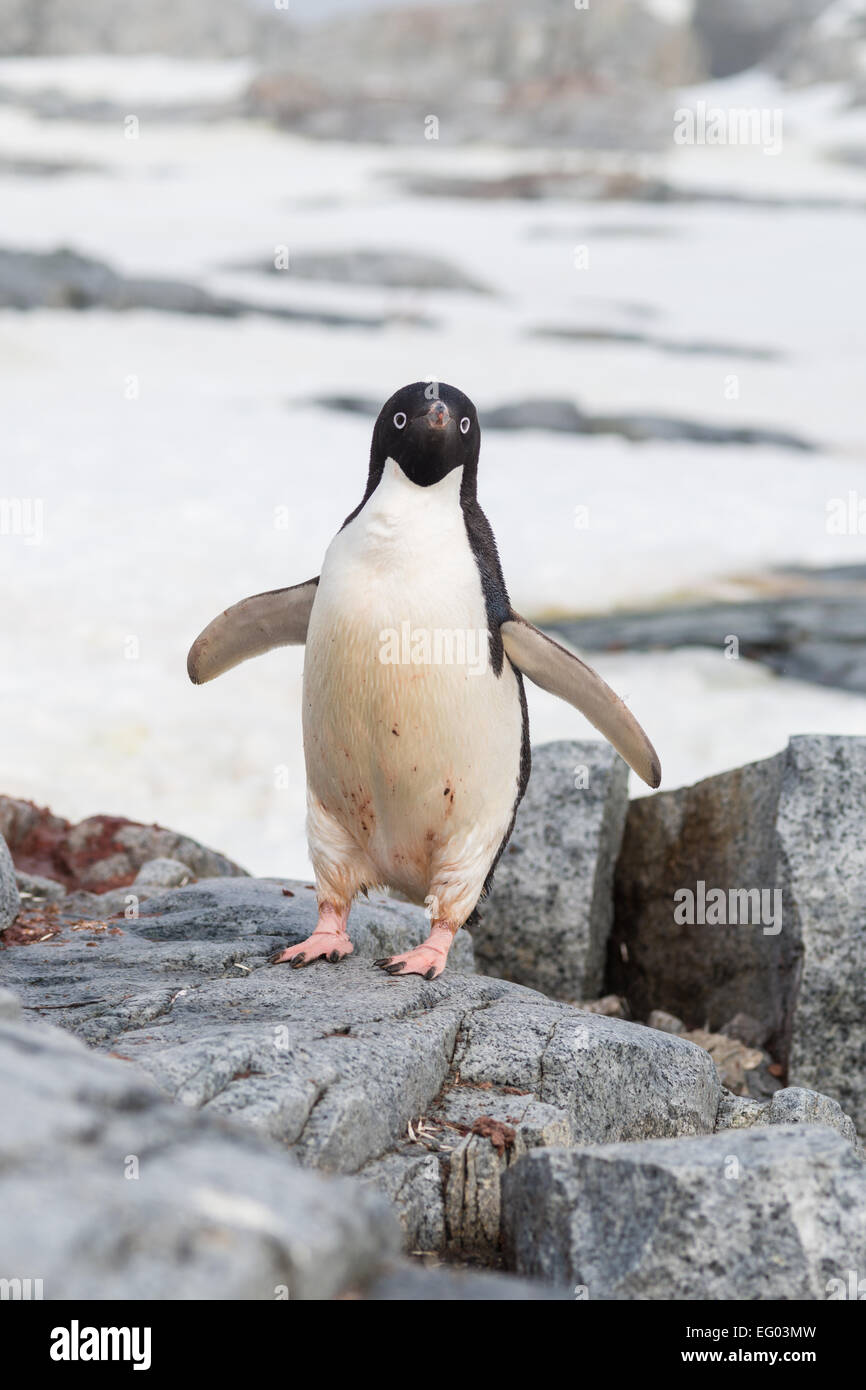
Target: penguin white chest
[(412, 742)]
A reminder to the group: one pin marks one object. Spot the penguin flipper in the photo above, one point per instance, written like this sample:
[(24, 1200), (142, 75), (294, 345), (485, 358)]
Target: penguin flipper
[(561, 673), (276, 619)]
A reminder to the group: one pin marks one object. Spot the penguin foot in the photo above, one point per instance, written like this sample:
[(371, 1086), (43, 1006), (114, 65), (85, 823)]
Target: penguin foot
[(428, 959), (322, 945)]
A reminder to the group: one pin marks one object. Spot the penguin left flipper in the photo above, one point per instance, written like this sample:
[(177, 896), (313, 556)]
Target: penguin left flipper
[(279, 618), (558, 671)]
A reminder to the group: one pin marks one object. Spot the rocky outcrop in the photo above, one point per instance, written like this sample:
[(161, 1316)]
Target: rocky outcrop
[(549, 914), (763, 868), (565, 417), (200, 28), (720, 833), (469, 1117), (740, 34), (10, 901), (814, 631), (154, 1200), (64, 279), (765, 1214), (792, 1106), (429, 1089), (391, 269), (550, 74), (99, 853)]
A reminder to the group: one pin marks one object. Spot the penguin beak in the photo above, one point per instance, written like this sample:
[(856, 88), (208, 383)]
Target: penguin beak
[(438, 417)]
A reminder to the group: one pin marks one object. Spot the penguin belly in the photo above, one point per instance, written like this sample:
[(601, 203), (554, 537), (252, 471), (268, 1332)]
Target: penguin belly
[(412, 753)]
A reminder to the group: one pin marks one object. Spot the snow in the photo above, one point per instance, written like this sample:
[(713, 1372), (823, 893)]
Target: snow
[(162, 509)]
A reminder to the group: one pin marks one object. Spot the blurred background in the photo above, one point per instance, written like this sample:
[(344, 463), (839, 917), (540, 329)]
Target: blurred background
[(632, 231)]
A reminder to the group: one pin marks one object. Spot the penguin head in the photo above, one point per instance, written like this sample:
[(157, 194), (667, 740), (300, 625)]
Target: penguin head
[(429, 429)]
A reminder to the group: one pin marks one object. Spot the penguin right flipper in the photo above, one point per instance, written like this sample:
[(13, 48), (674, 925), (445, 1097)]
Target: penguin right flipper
[(276, 619), (561, 673)]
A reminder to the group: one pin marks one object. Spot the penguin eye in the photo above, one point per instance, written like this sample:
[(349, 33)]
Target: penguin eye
[(400, 419), (465, 425)]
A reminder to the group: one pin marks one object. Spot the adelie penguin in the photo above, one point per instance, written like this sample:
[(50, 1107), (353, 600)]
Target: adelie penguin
[(416, 737)]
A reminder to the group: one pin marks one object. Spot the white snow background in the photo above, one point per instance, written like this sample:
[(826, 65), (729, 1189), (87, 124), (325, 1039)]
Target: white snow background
[(161, 510)]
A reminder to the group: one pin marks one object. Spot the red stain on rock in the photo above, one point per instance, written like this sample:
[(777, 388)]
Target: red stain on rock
[(45, 844), (93, 855), (501, 1136)]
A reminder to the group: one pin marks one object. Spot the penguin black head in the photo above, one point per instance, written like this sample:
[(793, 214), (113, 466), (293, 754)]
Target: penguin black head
[(429, 429)]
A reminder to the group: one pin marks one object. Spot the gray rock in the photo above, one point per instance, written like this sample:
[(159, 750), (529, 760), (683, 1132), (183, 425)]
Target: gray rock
[(790, 826), (413, 1182), (101, 852), (684, 347), (163, 873), (185, 28), (64, 279), (428, 1089), (792, 1106), (10, 1004), (740, 34), (565, 417), (10, 901), (613, 1080), (816, 632), (35, 886), (739, 1112), (772, 1213), (533, 75), (392, 269), (156, 1201), (665, 1023), (620, 185), (822, 871), (720, 832), (407, 1282), (549, 914), (796, 1106), (830, 49)]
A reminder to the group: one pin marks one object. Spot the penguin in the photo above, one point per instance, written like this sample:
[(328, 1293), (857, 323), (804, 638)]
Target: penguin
[(415, 725)]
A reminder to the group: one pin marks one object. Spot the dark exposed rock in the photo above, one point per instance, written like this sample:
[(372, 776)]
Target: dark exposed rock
[(784, 941), (603, 185), (676, 347), (817, 635), (63, 279), (721, 833), (740, 34), (564, 417), (392, 269)]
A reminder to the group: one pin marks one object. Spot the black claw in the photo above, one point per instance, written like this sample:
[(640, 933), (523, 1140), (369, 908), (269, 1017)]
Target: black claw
[(383, 961), (395, 969), (334, 957), (297, 961), (431, 973)]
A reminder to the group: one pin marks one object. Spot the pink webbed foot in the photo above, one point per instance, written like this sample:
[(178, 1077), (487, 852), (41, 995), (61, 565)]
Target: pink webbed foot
[(330, 941), (428, 959)]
